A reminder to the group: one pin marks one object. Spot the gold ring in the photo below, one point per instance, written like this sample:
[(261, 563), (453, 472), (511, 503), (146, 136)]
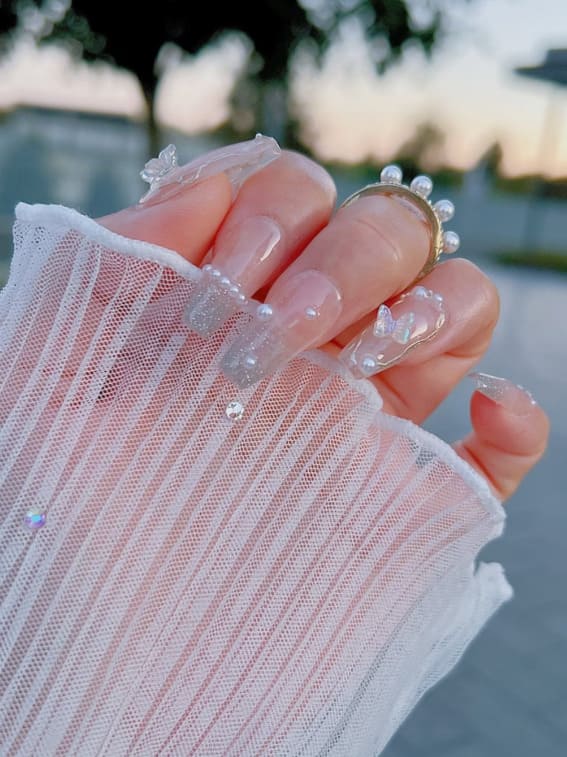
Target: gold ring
[(417, 192)]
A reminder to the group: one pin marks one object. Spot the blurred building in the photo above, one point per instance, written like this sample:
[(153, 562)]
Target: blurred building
[(89, 161)]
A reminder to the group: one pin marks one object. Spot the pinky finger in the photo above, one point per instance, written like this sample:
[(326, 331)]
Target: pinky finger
[(509, 435)]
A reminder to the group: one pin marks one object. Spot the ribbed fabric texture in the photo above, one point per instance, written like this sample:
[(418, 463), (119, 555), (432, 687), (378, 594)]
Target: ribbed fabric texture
[(287, 583)]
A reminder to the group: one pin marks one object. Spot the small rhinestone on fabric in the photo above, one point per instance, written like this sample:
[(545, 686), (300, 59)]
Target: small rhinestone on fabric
[(35, 519), (234, 410)]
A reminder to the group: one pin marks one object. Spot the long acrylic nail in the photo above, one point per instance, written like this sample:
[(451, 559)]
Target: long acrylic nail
[(510, 396), (242, 257), (416, 317), (301, 312), (239, 161)]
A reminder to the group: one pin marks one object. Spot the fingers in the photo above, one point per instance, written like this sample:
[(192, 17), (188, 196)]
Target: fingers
[(509, 433), (275, 215), (370, 249), (249, 240), (454, 311), (186, 204)]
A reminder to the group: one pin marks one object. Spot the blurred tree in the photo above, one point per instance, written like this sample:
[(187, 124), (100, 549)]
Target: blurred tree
[(34, 17), (131, 34), (8, 23), (492, 161), (423, 149)]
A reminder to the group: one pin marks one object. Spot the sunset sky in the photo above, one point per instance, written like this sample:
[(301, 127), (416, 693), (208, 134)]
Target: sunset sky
[(469, 90)]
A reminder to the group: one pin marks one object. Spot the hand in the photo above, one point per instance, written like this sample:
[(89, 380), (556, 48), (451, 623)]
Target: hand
[(325, 274)]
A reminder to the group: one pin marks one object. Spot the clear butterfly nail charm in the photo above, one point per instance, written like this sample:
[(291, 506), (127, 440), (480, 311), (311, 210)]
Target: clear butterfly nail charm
[(157, 168), (386, 325), (414, 318)]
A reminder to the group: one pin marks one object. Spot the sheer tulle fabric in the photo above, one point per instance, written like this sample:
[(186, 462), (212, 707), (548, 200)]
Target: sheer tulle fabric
[(287, 583)]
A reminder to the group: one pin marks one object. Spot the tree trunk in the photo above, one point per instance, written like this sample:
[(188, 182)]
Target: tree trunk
[(152, 125)]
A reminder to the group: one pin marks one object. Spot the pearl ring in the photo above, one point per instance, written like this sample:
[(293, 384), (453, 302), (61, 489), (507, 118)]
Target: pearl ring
[(417, 192)]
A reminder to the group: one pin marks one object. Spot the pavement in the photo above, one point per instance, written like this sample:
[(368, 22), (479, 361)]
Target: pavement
[(508, 695)]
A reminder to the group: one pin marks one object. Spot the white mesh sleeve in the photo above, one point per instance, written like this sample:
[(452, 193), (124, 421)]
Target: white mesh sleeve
[(285, 583)]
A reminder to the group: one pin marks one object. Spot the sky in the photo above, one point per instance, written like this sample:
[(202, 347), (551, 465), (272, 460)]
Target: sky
[(469, 89)]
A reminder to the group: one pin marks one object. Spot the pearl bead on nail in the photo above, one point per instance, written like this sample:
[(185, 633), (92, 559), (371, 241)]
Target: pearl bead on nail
[(369, 365), (264, 311)]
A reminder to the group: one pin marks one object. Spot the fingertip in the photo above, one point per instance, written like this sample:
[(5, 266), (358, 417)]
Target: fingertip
[(518, 425), (507, 440)]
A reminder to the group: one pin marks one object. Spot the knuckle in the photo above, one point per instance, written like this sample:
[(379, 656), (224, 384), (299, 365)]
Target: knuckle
[(487, 292), (311, 174), (371, 229)]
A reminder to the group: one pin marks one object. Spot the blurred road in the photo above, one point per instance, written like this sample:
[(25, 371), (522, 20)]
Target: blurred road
[(508, 697)]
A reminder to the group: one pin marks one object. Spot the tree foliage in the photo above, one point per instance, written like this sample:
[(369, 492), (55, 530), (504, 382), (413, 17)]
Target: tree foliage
[(131, 34), (8, 22)]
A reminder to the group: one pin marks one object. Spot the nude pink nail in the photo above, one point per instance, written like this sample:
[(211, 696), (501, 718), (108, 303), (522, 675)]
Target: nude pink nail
[(239, 161), (240, 260), (301, 312), (510, 396)]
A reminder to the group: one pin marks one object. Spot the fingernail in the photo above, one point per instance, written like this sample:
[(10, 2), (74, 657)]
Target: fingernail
[(239, 261), (301, 311), (239, 161), (510, 396), (416, 317)]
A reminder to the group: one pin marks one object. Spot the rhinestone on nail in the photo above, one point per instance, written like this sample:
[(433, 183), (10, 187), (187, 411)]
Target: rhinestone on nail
[(311, 313), (35, 519), (234, 410), (250, 360)]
